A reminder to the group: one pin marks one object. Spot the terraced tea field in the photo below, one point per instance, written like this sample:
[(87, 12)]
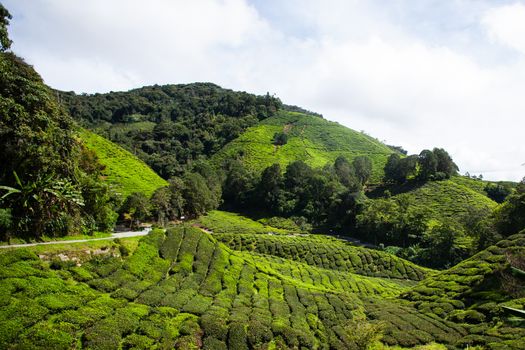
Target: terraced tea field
[(186, 289)]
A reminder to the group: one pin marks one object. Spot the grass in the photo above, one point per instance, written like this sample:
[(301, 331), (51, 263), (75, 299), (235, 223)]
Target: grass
[(311, 139), (123, 170)]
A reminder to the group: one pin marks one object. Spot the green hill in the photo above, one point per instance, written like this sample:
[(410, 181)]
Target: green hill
[(444, 201), (123, 170), (311, 139), (476, 292)]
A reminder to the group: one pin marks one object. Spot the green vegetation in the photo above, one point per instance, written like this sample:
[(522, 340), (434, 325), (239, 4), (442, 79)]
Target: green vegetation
[(49, 182), (222, 280), (475, 293), (328, 253), (125, 172), (225, 222), (170, 126), (310, 139), (184, 289)]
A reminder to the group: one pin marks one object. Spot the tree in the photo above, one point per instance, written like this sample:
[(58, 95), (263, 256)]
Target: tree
[(177, 200), (478, 224), (346, 173), (161, 205), (445, 164), (214, 178), (521, 186), (6, 221), (198, 198), (391, 168), (58, 182), (270, 188), (136, 208), (510, 216), (428, 163), (398, 169), (5, 16), (363, 168), (498, 192), (280, 138), (238, 184), (445, 247)]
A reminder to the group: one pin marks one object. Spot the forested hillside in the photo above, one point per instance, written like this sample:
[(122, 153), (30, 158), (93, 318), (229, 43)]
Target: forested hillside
[(169, 126)]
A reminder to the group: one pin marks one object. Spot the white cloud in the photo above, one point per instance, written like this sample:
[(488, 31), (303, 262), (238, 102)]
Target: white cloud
[(506, 24), (356, 62)]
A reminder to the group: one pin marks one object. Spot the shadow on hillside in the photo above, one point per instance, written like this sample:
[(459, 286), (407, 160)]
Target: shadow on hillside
[(409, 186)]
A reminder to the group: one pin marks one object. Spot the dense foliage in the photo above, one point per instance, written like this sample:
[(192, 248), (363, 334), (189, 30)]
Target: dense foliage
[(428, 165), (50, 181), (5, 16), (169, 126)]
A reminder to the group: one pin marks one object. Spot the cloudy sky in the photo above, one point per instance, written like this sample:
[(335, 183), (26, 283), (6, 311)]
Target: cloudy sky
[(415, 73)]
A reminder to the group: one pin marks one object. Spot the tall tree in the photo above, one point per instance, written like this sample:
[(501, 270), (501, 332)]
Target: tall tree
[(445, 164), (346, 173), (270, 188), (136, 208), (427, 164), (5, 16), (391, 168), (199, 199), (363, 168), (510, 216), (238, 183)]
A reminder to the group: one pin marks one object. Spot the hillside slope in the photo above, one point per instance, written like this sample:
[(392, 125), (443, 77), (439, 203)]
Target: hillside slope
[(443, 201), (311, 139), (168, 126), (475, 293), (123, 170), (183, 289)]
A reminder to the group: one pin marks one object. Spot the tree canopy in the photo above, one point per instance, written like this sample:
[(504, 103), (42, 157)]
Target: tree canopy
[(5, 16), (50, 182)]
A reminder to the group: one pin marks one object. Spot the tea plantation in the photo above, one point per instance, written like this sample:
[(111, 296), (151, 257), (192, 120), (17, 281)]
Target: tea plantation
[(311, 139), (186, 289), (123, 170)]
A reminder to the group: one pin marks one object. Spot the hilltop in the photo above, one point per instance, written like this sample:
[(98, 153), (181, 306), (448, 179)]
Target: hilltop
[(170, 126), (124, 171)]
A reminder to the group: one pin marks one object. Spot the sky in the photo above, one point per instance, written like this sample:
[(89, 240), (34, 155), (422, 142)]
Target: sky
[(414, 73)]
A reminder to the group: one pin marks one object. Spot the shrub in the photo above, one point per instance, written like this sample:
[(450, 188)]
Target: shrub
[(237, 336), (211, 343), (137, 341), (44, 335)]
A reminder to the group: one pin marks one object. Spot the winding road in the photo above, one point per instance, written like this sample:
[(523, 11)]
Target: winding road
[(125, 234)]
